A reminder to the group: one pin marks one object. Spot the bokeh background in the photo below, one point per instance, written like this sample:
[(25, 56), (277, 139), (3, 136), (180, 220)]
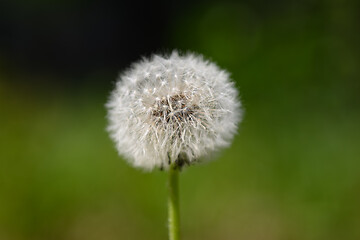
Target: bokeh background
[(292, 173)]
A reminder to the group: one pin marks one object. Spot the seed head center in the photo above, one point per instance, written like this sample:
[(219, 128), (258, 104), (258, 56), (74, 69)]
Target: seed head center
[(175, 108)]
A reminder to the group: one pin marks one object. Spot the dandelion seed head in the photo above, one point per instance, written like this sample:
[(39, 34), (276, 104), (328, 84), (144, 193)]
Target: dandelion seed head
[(172, 108)]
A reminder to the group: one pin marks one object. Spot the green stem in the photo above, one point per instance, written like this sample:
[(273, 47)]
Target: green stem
[(173, 203)]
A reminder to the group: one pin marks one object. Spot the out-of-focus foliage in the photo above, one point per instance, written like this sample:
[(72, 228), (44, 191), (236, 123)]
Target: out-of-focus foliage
[(291, 173)]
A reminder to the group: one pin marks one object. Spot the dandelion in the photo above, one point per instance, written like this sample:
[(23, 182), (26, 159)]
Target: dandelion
[(170, 111)]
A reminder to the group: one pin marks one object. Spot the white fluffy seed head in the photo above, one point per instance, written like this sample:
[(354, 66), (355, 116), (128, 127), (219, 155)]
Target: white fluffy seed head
[(177, 108)]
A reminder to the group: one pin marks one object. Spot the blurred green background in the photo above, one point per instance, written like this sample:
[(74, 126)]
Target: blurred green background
[(291, 173)]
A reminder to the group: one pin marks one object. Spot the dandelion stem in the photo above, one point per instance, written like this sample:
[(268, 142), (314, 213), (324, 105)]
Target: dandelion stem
[(173, 203)]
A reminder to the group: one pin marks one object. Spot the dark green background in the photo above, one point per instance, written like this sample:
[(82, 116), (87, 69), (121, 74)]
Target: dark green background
[(292, 172)]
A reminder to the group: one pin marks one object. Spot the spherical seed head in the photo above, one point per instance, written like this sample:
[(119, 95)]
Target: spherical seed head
[(177, 108)]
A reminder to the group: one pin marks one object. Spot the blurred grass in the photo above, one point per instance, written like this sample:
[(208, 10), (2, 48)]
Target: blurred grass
[(291, 173)]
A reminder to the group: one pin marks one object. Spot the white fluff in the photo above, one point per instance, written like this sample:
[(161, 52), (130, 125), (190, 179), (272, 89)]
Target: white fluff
[(172, 108)]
